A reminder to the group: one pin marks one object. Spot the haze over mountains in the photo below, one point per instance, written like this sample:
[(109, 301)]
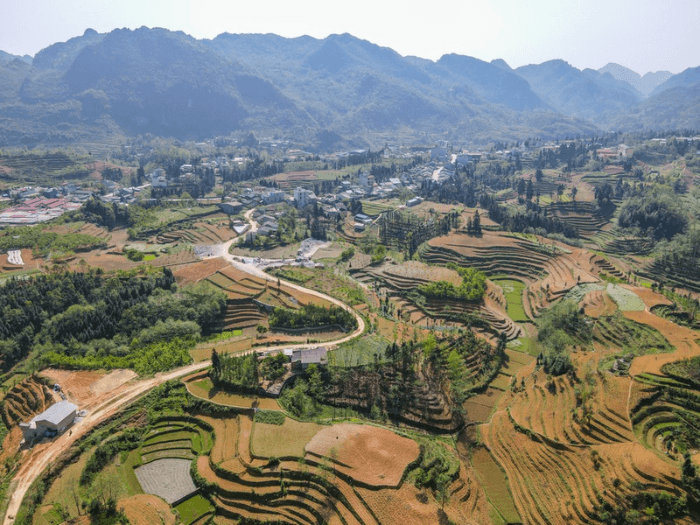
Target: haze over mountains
[(328, 92)]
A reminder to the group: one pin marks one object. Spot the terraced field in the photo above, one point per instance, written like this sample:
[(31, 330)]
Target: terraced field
[(25, 400), (330, 482), (557, 483)]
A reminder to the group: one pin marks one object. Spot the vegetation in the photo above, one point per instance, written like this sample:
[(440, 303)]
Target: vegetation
[(471, 289), (44, 243), (269, 417), (89, 320), (312, 316), (657, 215)]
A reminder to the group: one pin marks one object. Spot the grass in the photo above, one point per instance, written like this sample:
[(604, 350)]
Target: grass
[(358, 352), (526, 345), (495, 484), (193, 508), (149, 257), (284, 440), (513, 290)]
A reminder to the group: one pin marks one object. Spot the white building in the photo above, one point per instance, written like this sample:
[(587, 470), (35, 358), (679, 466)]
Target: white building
[(303, 197), (53, 420)]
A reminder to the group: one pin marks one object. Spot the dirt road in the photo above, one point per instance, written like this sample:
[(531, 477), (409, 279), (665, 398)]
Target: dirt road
[(40, 456)]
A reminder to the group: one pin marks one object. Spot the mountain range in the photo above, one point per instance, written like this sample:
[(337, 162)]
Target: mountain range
[(328, 93)]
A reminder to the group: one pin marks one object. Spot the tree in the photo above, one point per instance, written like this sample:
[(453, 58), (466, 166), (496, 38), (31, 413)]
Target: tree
[(539, 175), (574, 191), (215, 364), (476, 224), (262, 329)]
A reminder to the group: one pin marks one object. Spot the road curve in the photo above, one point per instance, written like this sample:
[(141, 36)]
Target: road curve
[(38, 459)]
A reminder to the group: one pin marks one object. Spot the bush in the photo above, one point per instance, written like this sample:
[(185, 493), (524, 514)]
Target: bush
[(269, 417)]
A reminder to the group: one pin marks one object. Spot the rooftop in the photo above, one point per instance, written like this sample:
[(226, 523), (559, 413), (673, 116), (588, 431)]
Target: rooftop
[(56, 413)]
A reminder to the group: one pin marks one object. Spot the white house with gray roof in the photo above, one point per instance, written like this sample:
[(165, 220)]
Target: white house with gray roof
[(55, 419)]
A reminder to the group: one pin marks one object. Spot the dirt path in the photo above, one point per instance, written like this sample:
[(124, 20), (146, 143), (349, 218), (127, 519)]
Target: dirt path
[(40, 457)]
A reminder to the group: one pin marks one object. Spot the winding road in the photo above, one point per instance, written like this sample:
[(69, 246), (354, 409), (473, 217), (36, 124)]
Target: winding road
[(41, 456)]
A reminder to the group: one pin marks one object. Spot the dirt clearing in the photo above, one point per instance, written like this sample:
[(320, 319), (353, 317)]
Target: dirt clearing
[(372, 455), (113, 380)]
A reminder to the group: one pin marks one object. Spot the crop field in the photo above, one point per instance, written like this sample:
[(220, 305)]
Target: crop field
[(513, 291), (495, 485), (167, 478), (193, 509), (204, 388), (626, 300), (284, 440)]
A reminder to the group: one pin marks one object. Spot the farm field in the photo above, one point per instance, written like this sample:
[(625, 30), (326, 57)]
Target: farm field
[(564, 391)]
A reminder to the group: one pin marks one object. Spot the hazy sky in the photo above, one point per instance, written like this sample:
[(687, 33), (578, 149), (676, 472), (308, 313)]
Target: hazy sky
[(644, 35)]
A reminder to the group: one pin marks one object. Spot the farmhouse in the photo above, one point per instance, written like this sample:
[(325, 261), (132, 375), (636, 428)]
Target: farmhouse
[(316, 356), (231, 207), (53, 420)]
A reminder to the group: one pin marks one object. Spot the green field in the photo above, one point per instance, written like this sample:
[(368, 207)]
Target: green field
[(193, 508), (513, 290), (358, 352), (495, 484)]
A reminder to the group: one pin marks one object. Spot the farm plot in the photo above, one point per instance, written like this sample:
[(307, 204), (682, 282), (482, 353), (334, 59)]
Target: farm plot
[(168, 478), (495, 484), (288, 439), (146, 509), (200, 270), (371, 455), (626, 300), (193, 509), (513, 291), (225, 438)]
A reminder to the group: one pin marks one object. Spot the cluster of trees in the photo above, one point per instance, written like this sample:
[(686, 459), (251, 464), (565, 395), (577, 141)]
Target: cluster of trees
[(472, 287), (89, 320), (655, 214), (559, 328), (234, 372), (533, 218), (312, 316), (406, 231)]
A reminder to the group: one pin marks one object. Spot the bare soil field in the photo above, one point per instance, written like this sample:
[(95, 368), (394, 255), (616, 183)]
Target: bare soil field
[(371, 455), (75, 384), (226, 438), (284, 440), (598, 303), (479, 408), (684, 339), (650, 297), (113, 380), (199, 270), (146, 509)]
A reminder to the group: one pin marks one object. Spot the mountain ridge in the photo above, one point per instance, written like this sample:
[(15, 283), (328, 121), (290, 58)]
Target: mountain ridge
[(152, 80)]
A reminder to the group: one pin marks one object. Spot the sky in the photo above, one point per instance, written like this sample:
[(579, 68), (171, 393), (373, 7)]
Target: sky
[(643, 35)]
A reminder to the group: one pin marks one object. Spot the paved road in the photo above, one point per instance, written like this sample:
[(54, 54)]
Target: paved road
[(41, 456)]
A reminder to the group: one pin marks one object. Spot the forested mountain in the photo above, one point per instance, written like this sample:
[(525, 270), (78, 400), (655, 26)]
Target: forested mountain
[(586, 94), (643, 84), (329, 92), (688, 78)]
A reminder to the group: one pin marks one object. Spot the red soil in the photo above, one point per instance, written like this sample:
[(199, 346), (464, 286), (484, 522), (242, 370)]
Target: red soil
[(372, 455)]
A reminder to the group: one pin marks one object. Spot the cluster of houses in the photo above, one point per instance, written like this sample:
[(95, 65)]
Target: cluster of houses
[(41, 204)]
